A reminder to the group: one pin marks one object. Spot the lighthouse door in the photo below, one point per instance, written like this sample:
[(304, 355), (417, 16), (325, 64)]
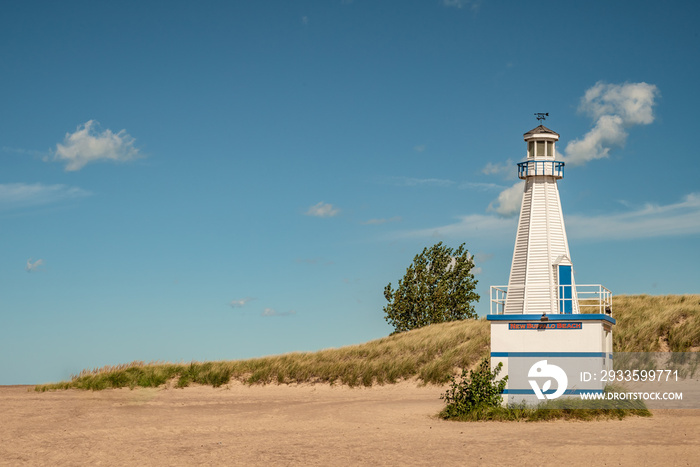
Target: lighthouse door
[(565, 290)]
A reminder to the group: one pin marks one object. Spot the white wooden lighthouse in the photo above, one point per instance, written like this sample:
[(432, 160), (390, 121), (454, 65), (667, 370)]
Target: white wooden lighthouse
[(543, 319), (541, 260)]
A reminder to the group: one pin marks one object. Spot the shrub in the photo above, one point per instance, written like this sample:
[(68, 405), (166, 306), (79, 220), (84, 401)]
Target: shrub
[(475, 392)]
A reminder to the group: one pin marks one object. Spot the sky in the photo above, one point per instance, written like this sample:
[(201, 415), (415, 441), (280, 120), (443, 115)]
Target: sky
[(223, 180)]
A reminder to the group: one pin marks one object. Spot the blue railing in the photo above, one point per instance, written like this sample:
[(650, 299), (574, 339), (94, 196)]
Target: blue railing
[(533, 168)]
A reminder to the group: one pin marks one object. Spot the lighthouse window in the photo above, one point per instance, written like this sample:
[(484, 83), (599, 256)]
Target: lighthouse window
[(550, 148), (540, 149), (565, 289), (531, 149)]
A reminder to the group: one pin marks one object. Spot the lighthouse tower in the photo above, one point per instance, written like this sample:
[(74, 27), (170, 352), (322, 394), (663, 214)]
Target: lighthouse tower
[(544, 326), (541, 276)]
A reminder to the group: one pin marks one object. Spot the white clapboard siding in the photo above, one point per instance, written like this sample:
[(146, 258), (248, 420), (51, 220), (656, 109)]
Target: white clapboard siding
[(515, 299), (541, 239)]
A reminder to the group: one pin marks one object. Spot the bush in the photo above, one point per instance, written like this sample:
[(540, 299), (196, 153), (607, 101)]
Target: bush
[(477, 396), (475, 392)]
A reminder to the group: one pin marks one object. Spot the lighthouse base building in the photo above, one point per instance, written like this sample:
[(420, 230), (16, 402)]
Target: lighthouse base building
[(552, 335), (580, 345)]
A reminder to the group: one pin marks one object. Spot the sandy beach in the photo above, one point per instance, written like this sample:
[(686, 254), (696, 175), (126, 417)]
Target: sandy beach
[(313, 425)]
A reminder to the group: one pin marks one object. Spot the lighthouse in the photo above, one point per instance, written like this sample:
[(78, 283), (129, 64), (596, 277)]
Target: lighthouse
[(541, 278), (548, 331)]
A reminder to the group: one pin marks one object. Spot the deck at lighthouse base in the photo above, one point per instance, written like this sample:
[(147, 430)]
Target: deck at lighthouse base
[(589, 298)]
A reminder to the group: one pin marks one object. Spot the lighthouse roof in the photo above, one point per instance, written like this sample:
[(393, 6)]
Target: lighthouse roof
[(540, 130)]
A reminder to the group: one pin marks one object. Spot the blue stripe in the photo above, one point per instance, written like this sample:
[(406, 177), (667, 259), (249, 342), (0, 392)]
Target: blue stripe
[(550, 354), (568, 392), (552, 317)]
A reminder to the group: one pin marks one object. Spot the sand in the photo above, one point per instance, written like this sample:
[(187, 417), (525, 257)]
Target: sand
[(314, 425)]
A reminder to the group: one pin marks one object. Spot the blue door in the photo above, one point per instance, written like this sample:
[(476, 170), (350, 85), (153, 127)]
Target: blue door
[(565, 290)]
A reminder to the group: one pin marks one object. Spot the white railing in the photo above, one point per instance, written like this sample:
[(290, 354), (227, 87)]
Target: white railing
[(592, 298), (498, 299)]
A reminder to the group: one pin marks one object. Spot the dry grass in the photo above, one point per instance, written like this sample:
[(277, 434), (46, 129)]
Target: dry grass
[(430, 354), (662, 323)]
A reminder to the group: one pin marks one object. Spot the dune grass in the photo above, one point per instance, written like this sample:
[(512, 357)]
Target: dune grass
[(662, 323), (431, 354)]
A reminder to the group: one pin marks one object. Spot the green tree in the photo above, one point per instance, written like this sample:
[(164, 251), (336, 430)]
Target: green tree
[(437, 287)]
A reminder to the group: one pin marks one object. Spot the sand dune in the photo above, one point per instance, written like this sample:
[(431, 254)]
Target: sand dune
[(313, 425)]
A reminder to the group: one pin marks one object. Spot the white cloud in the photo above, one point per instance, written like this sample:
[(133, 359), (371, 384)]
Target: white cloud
[(596, 144), (31, 267), (633, 102), (471, 226), (88, 145), (614, 108), (482, 257), (505, 169), (273, 312), (27, 152), (649, 221), (480, 186), (407, 181), (322, 210), (18, 195), (509, 200), (442, 182), (240, 303), (382, 221)]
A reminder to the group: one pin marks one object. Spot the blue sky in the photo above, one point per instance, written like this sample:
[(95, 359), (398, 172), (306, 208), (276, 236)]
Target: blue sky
[(220, 180)]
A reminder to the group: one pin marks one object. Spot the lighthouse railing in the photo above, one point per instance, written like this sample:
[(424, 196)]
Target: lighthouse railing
[(594, 298), (498, 299), (540, 167)]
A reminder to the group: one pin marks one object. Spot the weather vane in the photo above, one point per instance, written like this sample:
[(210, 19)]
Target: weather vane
[(541, 116)]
